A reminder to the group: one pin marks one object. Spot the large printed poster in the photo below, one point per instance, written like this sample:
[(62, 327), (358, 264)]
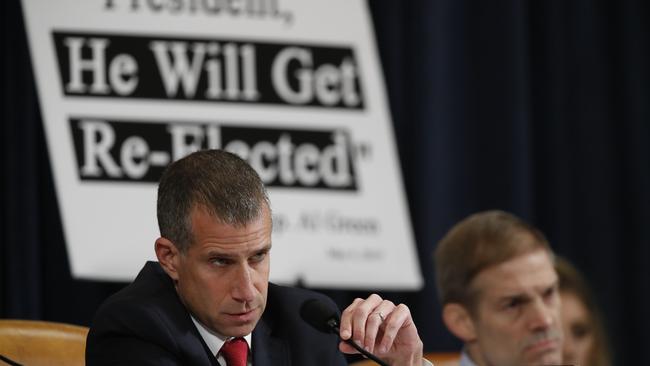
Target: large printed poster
[(292, 86)]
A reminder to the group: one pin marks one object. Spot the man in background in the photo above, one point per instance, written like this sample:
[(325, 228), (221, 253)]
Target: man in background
[(499, 291), (207, 301)]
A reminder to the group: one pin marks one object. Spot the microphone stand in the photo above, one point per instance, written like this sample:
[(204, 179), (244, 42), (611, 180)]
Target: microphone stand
[(333, 324)]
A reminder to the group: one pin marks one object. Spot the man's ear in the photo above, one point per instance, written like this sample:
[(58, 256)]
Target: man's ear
[(168, 256), (459, 321)]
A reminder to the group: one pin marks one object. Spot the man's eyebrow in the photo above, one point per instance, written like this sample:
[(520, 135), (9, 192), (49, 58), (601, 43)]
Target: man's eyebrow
[(216, 253), (510, 297), (264, 249), (552, 287)]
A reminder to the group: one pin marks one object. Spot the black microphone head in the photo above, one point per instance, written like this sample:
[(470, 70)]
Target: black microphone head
[(320, 315)]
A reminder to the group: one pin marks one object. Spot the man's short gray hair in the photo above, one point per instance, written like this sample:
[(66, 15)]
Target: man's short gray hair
[(218, 181)]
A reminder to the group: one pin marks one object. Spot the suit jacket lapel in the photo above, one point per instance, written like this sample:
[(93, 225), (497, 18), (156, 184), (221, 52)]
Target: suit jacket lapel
[(269, 350)]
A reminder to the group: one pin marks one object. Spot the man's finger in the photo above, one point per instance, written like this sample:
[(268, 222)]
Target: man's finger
[(399, 318), (345, 328), (376, 319), (356, 316)]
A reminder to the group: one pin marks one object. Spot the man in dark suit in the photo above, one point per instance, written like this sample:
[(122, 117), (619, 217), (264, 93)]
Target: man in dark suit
[(207, 301)]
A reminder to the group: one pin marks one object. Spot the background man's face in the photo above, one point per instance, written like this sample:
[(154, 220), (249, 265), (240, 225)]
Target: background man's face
[(517, 317), (223, 276)]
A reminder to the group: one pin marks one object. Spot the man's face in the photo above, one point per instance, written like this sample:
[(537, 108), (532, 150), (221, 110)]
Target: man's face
[(223, 277), (517, 317)]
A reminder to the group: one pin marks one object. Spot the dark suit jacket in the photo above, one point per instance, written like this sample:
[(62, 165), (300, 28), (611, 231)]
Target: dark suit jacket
[(146, 324)]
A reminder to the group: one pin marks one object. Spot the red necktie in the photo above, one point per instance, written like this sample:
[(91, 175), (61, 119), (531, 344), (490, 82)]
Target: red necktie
[(235, 351)]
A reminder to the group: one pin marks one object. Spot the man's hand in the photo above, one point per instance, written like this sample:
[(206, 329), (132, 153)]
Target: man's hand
[(382, 328)]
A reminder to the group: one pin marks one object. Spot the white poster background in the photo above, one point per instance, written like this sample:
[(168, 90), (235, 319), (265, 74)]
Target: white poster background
[(324, 238)]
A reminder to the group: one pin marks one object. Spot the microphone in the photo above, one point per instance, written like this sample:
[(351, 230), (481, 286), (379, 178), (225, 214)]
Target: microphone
[(322, 317)]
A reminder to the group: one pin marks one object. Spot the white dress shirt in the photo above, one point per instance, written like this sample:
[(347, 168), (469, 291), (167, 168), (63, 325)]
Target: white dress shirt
[(215, 341), (465, 360)]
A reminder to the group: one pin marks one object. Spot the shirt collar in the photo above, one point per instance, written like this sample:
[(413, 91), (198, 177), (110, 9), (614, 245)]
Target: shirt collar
[(215, 340), (465, 360)]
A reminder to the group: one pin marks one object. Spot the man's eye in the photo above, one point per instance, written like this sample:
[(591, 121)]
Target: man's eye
[(513, 304), (258, 257), (220, 261), (550, 293)]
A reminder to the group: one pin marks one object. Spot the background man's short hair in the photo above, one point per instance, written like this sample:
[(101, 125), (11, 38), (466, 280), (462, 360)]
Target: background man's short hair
[(218, 181), (477, 242)]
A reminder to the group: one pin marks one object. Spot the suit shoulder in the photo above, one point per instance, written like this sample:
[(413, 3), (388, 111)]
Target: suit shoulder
[(151, 288), (149, 305), (145, 317)]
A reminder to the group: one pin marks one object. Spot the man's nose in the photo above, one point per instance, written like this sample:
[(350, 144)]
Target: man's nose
[(541, 316), (243, 289)]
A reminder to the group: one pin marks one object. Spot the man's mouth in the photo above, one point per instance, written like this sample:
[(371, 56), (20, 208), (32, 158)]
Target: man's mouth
[(244, 316), (543, 346)]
